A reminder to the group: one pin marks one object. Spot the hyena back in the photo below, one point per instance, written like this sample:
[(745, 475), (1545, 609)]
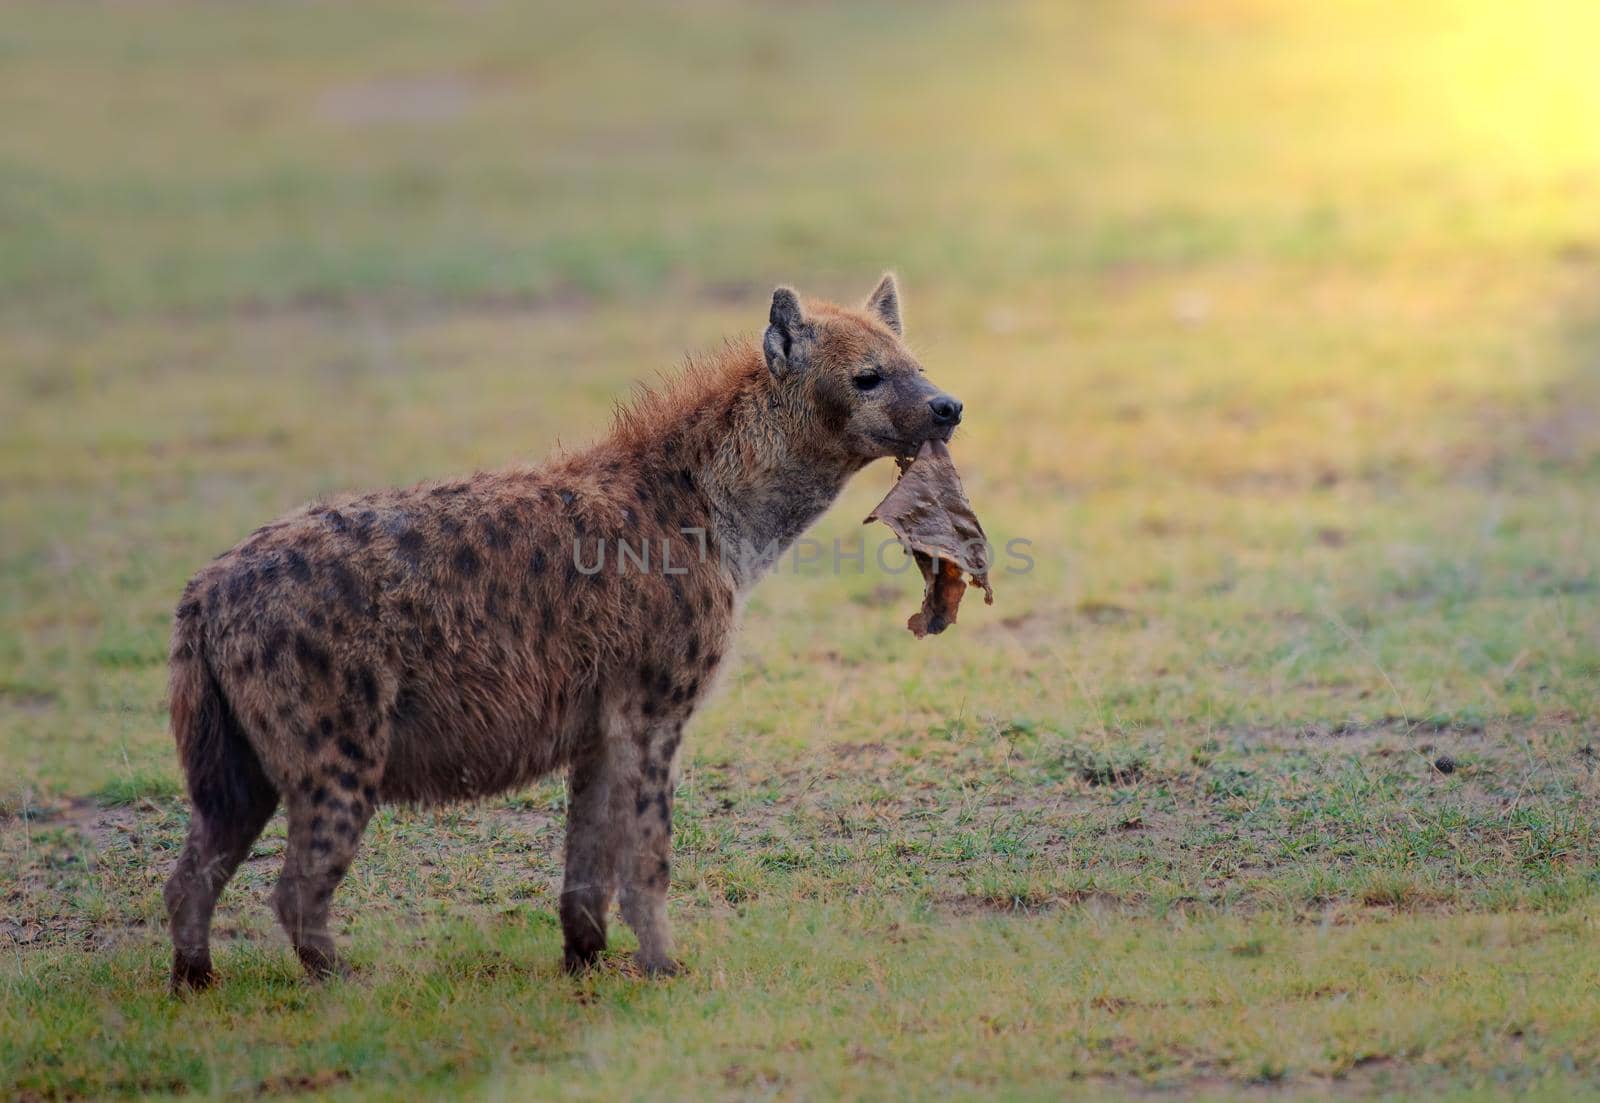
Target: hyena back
[(454, 640)]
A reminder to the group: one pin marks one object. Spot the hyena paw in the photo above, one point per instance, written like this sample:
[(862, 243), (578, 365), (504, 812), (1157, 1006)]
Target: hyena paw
[(658, 965), (574, 962), (323, 965), (191, 975)]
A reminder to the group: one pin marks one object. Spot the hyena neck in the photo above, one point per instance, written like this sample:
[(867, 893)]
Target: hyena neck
[(770, 476), (724, 424), (757, 515)]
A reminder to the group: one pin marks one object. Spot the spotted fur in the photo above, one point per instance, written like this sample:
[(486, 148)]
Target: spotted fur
[(449, 641)]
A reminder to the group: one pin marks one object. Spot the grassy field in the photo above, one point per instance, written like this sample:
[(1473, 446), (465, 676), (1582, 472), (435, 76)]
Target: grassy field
[(1278, 327)]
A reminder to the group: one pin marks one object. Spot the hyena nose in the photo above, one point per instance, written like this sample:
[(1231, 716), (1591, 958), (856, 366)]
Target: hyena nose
[(946, 409)]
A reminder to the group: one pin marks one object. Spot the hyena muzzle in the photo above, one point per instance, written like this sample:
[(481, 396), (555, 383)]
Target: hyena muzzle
[(456, 640)]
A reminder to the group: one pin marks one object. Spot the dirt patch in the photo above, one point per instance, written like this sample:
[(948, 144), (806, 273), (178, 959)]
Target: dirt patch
[(880, 596), (1240, 824), (303, 1082), (1048, 625), (1033, 627), (1025, 903), (1164, 828), (1570, 436), (1105, 612), (28, 699), (64, 849), (1419, 734), (104, 828), (1360, 1082), (405, 100)]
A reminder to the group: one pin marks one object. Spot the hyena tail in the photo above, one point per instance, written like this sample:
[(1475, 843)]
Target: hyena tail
[(225, 779), (233, 799)]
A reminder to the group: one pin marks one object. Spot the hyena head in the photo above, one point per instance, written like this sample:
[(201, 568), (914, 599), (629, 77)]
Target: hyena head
[(854, 388)]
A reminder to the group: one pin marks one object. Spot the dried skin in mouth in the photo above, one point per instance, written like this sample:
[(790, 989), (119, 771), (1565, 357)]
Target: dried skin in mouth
[(929, 512)]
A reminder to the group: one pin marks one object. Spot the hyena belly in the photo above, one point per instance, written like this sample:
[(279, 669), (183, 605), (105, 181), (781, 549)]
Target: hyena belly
[(478, 736)]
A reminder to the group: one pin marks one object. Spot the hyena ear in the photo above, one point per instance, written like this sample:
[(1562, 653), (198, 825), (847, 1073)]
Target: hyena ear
[(885, 303), (786, 330)]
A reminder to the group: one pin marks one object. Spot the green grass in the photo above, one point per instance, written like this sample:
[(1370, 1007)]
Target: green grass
[(1275, 325)]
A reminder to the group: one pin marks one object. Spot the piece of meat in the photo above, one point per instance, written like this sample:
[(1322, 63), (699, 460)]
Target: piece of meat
[(929, 512)]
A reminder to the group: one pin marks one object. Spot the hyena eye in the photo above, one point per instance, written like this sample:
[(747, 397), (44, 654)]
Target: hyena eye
[(868, 379)]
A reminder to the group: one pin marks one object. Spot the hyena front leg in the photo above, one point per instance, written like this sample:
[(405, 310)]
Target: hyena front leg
[(590, 880), (642, 819)]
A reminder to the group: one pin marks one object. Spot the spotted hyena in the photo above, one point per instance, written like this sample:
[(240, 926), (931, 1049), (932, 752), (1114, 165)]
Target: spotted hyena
[(455, 640)]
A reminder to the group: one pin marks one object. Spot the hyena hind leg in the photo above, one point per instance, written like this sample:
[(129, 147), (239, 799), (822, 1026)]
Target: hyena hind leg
[(326, 819), (211, 854), (590, 880)]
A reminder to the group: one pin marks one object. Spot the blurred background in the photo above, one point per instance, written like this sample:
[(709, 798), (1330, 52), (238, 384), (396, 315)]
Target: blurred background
[(1278, 329), (1275, 324)]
